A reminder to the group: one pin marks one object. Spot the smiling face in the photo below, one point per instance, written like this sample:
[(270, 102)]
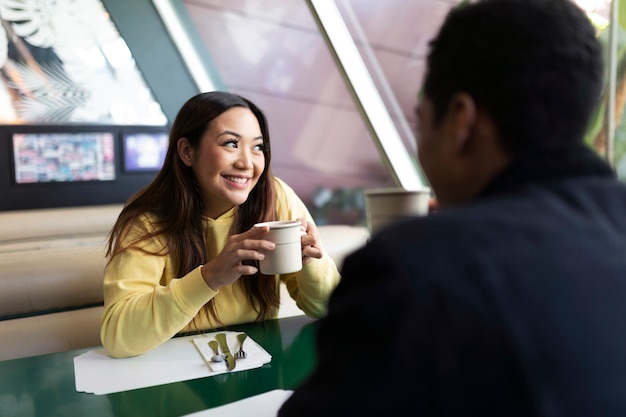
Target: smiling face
[(228, 161)]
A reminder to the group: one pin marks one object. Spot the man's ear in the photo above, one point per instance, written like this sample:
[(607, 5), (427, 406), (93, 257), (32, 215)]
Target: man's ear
[(185, 151), (462, 114)]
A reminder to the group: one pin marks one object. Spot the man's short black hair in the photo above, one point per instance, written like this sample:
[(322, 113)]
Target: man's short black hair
[(534, 65)]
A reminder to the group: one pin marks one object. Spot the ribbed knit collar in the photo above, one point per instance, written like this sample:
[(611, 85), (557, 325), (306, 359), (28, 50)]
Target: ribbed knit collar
[(549, 164)]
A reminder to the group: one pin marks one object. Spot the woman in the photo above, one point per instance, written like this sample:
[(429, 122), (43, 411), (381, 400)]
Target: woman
[(182, 254)]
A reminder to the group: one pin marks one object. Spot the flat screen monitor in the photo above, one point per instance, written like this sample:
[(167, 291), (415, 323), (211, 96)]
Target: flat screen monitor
[(144, 151), (63, 157)]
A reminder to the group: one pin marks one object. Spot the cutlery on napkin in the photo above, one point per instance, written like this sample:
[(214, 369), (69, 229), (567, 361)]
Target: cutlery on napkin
[(256, 356), (230, 360)]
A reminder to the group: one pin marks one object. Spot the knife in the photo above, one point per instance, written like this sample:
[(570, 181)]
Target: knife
[(230, 360)]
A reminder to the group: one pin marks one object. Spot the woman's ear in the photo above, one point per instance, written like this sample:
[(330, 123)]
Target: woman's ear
[(462, 111), (185, 151)]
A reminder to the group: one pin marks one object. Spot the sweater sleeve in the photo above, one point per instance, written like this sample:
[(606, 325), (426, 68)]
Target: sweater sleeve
[(143, 305), (310, 287)]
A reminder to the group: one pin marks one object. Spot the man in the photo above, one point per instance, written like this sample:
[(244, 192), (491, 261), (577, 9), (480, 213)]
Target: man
[(511, 299)]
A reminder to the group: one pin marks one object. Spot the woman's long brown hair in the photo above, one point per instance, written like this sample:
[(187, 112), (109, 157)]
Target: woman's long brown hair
[(174, 199)]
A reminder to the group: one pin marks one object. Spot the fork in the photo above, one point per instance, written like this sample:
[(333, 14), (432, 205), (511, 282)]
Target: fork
[(240, 354)]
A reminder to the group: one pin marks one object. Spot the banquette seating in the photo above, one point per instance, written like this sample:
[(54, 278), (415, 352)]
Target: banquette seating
[(51, 267)]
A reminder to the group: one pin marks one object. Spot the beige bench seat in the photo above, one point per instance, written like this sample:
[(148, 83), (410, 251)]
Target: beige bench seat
[(51, 268)]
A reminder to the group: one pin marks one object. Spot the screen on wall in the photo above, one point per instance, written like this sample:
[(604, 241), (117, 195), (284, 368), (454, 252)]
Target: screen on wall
[(63, 157), (144, 151)]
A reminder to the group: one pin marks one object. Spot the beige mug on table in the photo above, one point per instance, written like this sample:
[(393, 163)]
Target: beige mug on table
[(287, 256), (384, 206)]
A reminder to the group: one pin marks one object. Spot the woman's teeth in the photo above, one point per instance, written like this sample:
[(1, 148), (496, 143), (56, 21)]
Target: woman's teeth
[(237, 179)]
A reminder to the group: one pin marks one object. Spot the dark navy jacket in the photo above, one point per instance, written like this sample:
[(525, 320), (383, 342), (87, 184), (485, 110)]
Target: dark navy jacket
[(513, 305)]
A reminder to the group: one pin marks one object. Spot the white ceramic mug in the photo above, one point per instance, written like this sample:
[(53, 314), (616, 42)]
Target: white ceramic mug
[(287, 256), (384, 206)]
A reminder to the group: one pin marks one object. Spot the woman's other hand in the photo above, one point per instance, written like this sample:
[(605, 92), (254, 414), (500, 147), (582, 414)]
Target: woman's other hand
[(311, 242)]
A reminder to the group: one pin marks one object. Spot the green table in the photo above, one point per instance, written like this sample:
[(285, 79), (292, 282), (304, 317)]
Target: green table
[(44, 385)]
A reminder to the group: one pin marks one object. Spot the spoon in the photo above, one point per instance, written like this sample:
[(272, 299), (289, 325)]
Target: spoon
[(216, 353)]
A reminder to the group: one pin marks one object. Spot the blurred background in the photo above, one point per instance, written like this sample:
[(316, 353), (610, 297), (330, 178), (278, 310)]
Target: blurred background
[(89, 62)]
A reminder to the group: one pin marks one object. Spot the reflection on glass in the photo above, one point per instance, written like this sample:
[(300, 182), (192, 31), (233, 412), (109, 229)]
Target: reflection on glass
[(366, 93), (65, 62)]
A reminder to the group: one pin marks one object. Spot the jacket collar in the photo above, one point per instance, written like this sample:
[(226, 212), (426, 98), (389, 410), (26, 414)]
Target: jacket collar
[(543, 165)]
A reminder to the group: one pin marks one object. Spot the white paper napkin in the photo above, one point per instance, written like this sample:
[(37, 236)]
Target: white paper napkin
[(262, 405), (175, 360)]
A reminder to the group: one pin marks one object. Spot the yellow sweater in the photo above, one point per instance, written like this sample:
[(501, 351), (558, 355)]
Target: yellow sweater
[(145, 305)]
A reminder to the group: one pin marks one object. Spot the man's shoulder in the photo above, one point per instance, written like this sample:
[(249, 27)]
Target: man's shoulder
[(456, 236), (458, 220)]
